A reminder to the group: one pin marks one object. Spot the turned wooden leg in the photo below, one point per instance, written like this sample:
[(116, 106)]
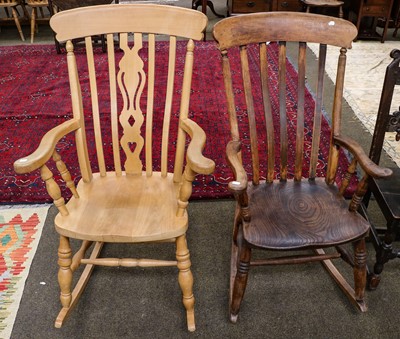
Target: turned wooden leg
[(384, 253), (65, 272), (240, 283), (15, 16), (360, 270), (341, 12), (185, 279), (33, 24)]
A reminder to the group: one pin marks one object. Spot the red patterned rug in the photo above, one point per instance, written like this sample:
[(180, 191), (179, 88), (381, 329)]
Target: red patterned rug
[(20, 231), (35, 97)]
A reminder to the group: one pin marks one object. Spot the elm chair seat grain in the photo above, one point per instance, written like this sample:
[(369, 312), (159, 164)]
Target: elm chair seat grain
[(385, 191), (141, 194), (300, 209), (311, 216)]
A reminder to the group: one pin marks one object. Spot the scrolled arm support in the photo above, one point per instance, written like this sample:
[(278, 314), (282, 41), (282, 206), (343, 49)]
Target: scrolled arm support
[(53, 189), (232, 154), (185, 190), (239, 185), (196, 160), (359, 194), (66, 176)]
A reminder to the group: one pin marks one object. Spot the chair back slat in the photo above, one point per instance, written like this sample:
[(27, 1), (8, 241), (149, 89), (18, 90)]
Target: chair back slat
[(318, 112), (95, 106), (168, 105), (131, 80), (282, 111), (150, 99), (267, 112), (113, 104), (251, 114), (300, 112)]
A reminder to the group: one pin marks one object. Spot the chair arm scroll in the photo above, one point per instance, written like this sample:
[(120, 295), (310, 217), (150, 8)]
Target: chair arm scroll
[(196, 160), (46, 147), (365, 162), (232, 153)]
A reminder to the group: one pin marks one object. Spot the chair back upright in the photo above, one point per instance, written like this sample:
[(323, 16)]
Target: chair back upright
[(134, 79)]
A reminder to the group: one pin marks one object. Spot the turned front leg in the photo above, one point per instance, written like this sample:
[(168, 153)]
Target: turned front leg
[(240, 282), (65, 272), (360, 269), (185, 279), (384, 253)]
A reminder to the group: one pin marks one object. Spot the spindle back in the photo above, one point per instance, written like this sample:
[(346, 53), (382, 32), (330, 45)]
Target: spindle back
[(263, 32), (142, 85)]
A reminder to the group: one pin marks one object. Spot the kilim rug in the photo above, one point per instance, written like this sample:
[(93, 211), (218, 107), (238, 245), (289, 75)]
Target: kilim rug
[(20, 230), (35, 98)]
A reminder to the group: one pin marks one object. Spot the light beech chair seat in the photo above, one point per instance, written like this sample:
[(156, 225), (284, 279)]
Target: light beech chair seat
[(119, 200)]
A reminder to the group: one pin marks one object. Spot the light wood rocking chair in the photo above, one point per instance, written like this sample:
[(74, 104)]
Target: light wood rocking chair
[(136, 202), (295, 210)]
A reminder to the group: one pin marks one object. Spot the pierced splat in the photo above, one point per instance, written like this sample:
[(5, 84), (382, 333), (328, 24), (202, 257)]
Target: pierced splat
[(131, 80)]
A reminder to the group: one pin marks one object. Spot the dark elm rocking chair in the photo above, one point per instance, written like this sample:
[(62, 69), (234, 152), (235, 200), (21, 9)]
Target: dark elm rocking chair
[(386, 192), (305, 212)]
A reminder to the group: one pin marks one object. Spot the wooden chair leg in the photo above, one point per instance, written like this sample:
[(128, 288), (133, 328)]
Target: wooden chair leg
[(15, 15), (384, 253), (80, 286), (240, 282), (65, 272), (185, 279), (360, 270), (341, 12), (33, 24), (234, 262)]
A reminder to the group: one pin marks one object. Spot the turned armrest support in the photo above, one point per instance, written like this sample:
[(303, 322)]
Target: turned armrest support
[(232, 154), (196, 160), (365, 162), (46, 147)]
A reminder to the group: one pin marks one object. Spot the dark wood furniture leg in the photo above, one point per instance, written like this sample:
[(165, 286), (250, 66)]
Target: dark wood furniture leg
[(384, 252), (204, 4)]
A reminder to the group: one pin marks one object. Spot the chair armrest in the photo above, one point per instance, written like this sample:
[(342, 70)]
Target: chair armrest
[(365, 162), (232, 154), (46, 147), (196, 160)]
